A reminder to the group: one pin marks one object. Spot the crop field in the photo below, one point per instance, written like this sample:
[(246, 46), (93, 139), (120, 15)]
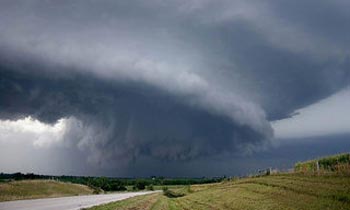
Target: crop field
[(288, 191), (29, 189)]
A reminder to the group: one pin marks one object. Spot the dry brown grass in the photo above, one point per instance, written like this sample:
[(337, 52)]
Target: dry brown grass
[(30, 189)]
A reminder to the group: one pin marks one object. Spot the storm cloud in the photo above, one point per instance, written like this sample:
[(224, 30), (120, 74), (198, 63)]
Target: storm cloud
[(168, 80), (122, 121)]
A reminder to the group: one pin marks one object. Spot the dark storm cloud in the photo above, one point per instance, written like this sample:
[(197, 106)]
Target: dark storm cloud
[(173, 80), (245, 48), (121, 122)]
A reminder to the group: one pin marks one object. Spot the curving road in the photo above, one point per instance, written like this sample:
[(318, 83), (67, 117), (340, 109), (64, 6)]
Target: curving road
[(67, 203)]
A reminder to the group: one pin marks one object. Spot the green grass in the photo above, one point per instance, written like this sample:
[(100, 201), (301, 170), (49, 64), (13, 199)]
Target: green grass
[(285, 192), (30, 189), (156, 187), (335, 163)]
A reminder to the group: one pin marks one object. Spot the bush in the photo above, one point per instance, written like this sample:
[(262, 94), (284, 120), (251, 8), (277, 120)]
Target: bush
[(96, 190), (171, 194), (150, 187), (116, 185), (140, 185)]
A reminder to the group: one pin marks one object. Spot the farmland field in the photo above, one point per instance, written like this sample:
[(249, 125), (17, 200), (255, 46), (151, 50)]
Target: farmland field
[(29, 189), (288, 191)]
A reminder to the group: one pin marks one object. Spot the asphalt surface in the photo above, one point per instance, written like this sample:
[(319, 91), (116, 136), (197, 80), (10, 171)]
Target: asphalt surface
[(67, 203)]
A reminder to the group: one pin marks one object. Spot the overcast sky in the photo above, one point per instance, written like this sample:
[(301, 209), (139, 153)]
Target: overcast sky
[(176, 88)]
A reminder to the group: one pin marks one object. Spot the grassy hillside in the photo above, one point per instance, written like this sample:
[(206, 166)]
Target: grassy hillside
[(290, 191), (29, 189), (339, 164)]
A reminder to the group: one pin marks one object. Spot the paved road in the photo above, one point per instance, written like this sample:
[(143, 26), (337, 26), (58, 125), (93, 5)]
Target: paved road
[(67, 203)]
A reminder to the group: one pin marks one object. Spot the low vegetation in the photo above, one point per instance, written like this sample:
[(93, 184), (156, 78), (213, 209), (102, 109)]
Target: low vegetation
[(336, 164), (317, 184), (287, 191), (30, 189)]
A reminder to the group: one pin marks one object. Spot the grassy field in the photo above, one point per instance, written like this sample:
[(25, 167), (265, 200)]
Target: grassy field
[(155, 187), (16, 190), (289, 191), (339, 164)]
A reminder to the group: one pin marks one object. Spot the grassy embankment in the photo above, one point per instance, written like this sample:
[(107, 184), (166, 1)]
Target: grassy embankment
[(288, 191), (130, 188), (317, 184), (335, 165), (30, 189)]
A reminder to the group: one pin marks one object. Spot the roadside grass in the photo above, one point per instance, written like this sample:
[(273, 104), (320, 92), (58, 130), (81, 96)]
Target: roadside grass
[(335, 164), (30, 189), (284, 192), (155, 187), (160, 187), (134, 203), (177, 192)]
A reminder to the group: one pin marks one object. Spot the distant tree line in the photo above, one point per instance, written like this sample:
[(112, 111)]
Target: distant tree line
[(113, 184)]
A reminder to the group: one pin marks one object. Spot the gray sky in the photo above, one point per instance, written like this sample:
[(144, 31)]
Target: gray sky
[(143, 88)]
